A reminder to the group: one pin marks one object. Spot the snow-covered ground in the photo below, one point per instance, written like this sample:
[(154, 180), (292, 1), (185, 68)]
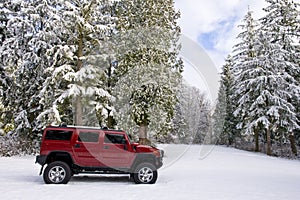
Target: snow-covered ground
[(224, 173)]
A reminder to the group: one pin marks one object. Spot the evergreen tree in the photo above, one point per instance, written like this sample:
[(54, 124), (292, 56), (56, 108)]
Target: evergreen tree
[(149, 70), (218, 117), (224, 119), (23, 60), (245, 55), (180, 132), (7, 10), (78, 60), (281, 24), (52, 56), (264, 84), (192, 115)]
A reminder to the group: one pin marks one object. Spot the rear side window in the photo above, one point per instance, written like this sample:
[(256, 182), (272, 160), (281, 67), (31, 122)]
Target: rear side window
[(58, 135), (88, 136)]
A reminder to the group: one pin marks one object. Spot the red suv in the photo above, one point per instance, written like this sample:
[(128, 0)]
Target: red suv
[(72, 150)]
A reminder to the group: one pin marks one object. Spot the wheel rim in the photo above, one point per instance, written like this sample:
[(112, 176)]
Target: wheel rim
[(57, 174), (145, 174)]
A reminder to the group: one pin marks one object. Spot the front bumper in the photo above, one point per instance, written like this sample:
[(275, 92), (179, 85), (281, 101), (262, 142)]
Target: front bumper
[(159, 162)]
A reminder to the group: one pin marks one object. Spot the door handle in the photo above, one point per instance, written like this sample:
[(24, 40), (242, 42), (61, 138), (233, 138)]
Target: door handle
[(106, 147), (77, 145)]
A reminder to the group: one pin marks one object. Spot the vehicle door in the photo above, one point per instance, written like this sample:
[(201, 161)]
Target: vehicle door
[(87, 148), (116, 150)]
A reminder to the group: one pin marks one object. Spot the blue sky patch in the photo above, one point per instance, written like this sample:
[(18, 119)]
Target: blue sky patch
[(209, 39)]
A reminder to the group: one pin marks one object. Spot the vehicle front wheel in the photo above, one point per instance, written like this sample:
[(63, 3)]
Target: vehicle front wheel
[(145, 173), (57, 173)]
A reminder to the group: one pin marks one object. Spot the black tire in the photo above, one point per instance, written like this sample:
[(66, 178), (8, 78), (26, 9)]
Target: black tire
[(145, 173), (57, 173)]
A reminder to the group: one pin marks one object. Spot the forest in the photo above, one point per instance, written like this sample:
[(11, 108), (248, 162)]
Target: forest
[(258, 101), (116, 64)]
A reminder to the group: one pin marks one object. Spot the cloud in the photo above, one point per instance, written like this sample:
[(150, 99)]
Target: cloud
[(213, 24)]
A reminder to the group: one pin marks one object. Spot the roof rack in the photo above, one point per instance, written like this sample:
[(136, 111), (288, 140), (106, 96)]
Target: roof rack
[(63, 125)]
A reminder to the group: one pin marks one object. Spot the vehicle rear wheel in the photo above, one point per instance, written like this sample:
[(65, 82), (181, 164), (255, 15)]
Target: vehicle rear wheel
[(57, 173), (145, 173)]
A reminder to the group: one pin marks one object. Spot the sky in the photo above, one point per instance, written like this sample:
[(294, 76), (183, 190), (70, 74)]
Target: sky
[(213, 25)]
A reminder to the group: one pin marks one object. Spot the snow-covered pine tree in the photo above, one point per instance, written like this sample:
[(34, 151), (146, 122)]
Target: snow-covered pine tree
[(224, 120), (149, 70), (297, 103), (23, 59), (180, 132), (52, 52), (218, 117), (1, 118), (7, 9), (78, 60), (4, 14), (105, 107), (281, 24), (244, 66), (196, 110), (264, 86), (192, 118)]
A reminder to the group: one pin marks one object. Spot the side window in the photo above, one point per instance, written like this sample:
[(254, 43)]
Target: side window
[(114, 138), (58, 135), (88, 136)]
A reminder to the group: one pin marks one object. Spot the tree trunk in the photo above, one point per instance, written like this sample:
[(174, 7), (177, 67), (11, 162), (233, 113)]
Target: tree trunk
[(256, 136), (143, 133), (78, 103), (110, 120), (293, 144), (269, 150), (78, 112)]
